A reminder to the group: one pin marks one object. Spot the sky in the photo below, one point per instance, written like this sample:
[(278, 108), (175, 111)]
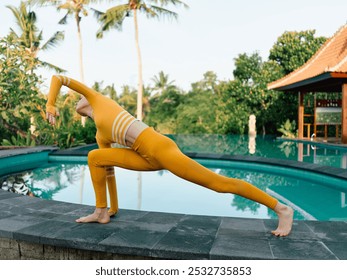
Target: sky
[(207, 36)]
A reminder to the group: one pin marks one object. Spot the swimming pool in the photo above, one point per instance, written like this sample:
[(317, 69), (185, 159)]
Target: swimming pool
[(67, 178), (162, 191)]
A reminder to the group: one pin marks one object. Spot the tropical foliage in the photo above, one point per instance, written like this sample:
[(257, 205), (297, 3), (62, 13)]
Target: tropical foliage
[(293, 49), (30, 37), (19, 97), (211, 106), (113, 19)]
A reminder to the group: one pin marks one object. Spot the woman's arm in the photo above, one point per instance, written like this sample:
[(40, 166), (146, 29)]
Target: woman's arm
[(56, 83), (54, 89)]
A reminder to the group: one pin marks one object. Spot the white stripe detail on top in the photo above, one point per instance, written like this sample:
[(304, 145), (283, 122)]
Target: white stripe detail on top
[(120, 127), (64, 80), (114, 133)]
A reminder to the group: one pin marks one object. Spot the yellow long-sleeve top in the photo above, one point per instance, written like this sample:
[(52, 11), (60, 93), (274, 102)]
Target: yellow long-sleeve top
[(111, 120)]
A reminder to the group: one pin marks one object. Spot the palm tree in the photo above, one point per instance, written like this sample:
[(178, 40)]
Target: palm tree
[(75, 9), (30, 36), (161, 83), (114, 17)]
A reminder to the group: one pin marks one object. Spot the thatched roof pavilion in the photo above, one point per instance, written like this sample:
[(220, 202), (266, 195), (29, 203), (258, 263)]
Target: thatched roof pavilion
[(325, 71)]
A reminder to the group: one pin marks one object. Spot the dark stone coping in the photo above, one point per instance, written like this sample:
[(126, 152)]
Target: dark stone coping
[(76, 151), (157, 235), (9, 152), (167, 235)]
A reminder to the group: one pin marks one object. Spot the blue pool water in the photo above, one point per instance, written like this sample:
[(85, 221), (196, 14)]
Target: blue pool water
[(163, 192)]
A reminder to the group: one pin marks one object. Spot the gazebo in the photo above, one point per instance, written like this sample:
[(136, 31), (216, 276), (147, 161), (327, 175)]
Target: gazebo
[(325, 71)]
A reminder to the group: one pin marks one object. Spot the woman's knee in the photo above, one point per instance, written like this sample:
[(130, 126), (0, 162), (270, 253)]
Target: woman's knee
[(93, 157)]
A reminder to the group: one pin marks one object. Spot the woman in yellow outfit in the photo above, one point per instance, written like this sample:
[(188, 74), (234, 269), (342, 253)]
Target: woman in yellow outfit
[(146, 150)]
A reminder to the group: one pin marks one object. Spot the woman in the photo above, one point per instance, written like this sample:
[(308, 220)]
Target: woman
[(146, 150)]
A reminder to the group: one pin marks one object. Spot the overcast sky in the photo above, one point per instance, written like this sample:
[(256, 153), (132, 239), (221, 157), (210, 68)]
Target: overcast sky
[(206, 37)]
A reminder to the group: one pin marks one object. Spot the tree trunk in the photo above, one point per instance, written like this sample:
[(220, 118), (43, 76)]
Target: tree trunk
[(78, 20), (139, 63), (80, 48)]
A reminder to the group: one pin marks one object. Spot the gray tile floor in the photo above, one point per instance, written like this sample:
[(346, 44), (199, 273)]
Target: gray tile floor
[(165, 235)]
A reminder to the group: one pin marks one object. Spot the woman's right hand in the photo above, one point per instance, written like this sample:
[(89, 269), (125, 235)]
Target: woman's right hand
[(51, 118)]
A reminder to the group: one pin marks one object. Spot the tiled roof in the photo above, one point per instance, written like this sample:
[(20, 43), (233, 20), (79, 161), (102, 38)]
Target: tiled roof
[(330, 58)]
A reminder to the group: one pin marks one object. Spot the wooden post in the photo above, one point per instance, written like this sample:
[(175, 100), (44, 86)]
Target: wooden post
[(301, 115), (344, 115), (301, 152)]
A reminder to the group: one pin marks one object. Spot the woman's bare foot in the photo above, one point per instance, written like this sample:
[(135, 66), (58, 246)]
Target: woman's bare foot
[(100, 215), (285, 219)]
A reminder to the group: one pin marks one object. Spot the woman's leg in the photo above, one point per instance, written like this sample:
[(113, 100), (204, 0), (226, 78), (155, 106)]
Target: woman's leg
[(99, 161), (112, 190), (163, 152)]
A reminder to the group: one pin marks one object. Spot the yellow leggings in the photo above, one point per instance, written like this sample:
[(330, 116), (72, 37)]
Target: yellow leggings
[(154, 151)]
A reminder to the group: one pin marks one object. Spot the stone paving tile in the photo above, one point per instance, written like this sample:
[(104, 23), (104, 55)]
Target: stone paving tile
[(84, 236), (157, 217), (7, 195), (240, 247), (64, 208), (188, 246), (329, 231), (241, 224), (41, 204), (129, 215), (130, 241), (44, 231), (13, 223), (14, 210), (338, 248), (118, 226), (5, 214), (236, 233), (199, 225), (19, 200), (286, 249), (72, 215)]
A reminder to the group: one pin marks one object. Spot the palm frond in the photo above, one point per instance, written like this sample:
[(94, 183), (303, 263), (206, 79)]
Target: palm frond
[(54, 40), (14, 34), (148, 11), (52, 67), (63, 20), (97, 13), (159, 11), (111, 19), (17, 15), (172, 2)]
